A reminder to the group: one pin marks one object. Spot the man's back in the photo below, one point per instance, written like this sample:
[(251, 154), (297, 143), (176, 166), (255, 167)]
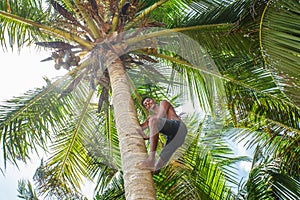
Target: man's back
[(169, 110)]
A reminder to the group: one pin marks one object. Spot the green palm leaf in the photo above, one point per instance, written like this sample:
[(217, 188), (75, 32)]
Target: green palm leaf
[(31, 118), (267, 181), (21, 33), (25, 122), (26, 190), (201, 176), (69, 158), (280, 43)]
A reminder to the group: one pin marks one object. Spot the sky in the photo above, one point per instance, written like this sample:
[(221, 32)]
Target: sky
[(18, 74)]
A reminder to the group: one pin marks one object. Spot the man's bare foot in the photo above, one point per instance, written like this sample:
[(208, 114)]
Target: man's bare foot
[(147, 164)]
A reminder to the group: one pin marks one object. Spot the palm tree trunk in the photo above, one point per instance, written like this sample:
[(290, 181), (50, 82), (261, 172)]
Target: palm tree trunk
[(138, 183)]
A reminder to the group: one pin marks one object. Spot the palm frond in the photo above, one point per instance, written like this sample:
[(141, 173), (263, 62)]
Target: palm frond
[(146, 8), (284, 186), (202, 172), (274, 122), (190, 83), (56, 188), (268, 181), (280, 44), (201, 177), (195, 13), (25, 122), (175, 10), (69, 160), (33, 24), (261, 92), (177, 50), (103, 147), (114, 189), (64, 10), (21, 34), (258, 187), (232, 54), (59, 45), (233, 46), (215, 138), (26, 190)]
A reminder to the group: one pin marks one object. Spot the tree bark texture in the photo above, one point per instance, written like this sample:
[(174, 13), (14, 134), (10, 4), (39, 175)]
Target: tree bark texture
[(138, 183)]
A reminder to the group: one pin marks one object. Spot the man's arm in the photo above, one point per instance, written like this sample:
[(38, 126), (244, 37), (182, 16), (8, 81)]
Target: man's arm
[(144, 125)]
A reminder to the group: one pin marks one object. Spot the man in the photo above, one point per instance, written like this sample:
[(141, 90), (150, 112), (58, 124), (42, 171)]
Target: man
[(162, 119)]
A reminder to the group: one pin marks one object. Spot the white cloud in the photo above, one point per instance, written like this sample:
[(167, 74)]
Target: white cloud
[(245, 165)]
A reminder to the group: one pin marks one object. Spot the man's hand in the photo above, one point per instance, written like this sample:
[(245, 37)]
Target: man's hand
[(141, 132)]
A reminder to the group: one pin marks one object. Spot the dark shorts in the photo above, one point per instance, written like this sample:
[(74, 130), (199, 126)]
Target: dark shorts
[(175, 132)]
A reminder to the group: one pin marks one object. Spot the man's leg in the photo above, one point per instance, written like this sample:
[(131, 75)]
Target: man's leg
[(171, 147), (160, 163), (154, 124)]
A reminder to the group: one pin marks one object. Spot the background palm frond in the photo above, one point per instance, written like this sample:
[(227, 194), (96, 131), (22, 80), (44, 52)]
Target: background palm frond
[(267, 180), (29, 10), (26, 190), (68, 161), (280, 43), (26, 120)]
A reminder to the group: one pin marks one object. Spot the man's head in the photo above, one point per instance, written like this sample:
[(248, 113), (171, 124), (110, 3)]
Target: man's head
[(148, 102)]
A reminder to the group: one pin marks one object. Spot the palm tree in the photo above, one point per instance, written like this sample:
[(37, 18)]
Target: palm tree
[(244, 58)]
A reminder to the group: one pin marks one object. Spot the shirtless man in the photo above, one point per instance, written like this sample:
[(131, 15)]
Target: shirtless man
[(162, 119)]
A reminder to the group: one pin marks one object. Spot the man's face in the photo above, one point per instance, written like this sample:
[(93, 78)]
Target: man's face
[(148, 103)]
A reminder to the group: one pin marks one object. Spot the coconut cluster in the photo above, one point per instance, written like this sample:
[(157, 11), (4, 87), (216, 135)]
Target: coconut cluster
[(65, 59)]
